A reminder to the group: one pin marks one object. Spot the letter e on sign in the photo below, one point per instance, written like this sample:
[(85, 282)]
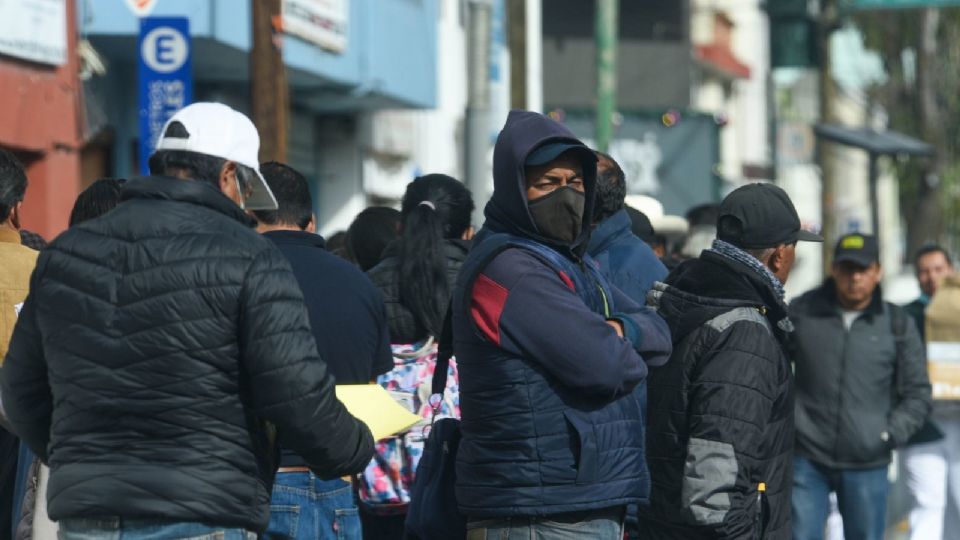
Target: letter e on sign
[(165, 49)]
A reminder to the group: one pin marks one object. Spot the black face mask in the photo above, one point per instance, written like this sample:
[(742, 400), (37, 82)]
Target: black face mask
[(559, 215)]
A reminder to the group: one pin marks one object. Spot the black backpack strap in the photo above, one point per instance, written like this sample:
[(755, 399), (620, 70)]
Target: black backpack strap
[(444, 353), (898, 324)]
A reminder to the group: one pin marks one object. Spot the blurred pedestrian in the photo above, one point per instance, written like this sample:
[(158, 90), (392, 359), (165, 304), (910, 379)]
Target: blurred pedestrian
[(337, 244), (625, 260), (417, 274), (553, 359), (175, 340), (18, 263), (720, 439), (371, 232), (862, 390), (703, 230), (98, 199), (350, 327), (641, 227), (942, 330), (925, 459)]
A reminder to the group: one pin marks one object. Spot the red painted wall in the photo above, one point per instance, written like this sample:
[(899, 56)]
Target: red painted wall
[(40, 108)]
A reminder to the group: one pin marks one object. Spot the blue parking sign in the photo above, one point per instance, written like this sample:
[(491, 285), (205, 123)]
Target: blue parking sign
[(165, 78)]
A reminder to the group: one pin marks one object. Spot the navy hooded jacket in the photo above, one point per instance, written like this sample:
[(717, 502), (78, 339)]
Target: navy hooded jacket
[(551, 397), (626, 261)]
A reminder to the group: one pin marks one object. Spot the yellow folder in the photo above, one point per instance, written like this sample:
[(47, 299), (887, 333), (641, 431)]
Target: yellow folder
[(373, 406)]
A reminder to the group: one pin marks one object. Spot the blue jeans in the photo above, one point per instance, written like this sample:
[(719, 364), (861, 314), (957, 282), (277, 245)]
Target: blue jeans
[(861, 494), (142, 529), (305, 507), (604, 524)]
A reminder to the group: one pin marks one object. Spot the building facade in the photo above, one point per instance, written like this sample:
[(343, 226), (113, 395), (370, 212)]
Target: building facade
[(41, 106), (352, 58)]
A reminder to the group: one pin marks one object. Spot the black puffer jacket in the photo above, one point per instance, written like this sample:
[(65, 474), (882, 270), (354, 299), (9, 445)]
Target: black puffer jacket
[(155, 345), (405, 327), (720, 412)]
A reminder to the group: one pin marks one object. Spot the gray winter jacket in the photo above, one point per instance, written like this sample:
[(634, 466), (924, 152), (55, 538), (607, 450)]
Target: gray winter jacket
[(854, 386)]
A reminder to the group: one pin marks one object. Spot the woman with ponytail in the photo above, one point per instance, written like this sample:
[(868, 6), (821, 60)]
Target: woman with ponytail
[(420, 268), (416, 276)]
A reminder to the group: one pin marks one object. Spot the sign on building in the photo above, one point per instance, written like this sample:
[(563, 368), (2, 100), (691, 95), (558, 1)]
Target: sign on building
[(674, 161), (164, 76), (321, 22), (141, 8), (34, 30)]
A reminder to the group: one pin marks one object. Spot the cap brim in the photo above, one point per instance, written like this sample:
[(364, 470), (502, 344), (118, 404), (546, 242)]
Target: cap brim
[(807, 236), (551, 151), (261, 198)]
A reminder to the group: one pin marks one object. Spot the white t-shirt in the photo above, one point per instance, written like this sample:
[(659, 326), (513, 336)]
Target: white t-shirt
[(849, 317)]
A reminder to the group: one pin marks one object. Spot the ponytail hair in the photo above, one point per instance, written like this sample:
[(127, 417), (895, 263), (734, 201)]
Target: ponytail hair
[(435, 208)]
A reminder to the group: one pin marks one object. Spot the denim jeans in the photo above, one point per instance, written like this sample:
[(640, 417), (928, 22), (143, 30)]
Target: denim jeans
[(604, 524), (861, 495), (137, 529), (305, 507)]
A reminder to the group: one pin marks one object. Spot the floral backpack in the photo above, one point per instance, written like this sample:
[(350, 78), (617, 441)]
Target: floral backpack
[(385, 484)]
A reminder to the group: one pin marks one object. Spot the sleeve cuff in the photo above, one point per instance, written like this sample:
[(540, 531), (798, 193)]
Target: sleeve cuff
[(631, 330)]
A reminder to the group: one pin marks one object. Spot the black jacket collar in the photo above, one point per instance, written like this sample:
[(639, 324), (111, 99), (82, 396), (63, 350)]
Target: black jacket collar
[(302, 238), (180, 190), (713, 284)]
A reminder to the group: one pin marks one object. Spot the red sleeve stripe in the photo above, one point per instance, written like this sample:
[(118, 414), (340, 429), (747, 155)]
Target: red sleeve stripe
[(566, 279), (489, 298)]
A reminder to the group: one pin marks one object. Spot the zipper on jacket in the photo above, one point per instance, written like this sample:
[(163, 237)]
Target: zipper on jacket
[(843, 376), (758, 519), (606, 304)]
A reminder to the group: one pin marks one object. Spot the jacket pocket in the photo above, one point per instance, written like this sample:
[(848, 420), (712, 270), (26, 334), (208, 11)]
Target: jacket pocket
[(585, 454), (863, 443)]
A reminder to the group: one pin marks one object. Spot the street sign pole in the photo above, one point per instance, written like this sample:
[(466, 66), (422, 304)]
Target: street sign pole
[(165, 77), (607, 20)]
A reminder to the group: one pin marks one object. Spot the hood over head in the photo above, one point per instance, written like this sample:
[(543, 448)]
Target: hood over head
[(507, 211)]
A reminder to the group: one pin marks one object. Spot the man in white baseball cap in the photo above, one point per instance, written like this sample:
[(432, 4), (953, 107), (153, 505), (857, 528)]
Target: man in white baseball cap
[(212, 142), (164, 350)]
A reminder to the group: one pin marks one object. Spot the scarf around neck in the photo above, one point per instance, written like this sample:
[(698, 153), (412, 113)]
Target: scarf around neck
[(732, 252)]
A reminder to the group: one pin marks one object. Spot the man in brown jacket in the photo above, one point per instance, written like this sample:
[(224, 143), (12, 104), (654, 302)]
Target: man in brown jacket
[(18, 263), (943, 350)]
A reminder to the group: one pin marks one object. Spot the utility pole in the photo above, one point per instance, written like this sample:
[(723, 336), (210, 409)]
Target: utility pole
[(826, 24), (517, 42), (270, 100), (608, 17), (928, 209), (526, 54), (478, 103)]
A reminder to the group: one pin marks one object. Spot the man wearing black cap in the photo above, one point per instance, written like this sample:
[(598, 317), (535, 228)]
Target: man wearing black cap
[(862, 390), (720, 412)]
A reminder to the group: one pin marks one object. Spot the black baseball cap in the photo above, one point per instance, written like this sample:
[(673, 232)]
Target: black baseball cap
[(551, 151), (757, 216), (858, 248)]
